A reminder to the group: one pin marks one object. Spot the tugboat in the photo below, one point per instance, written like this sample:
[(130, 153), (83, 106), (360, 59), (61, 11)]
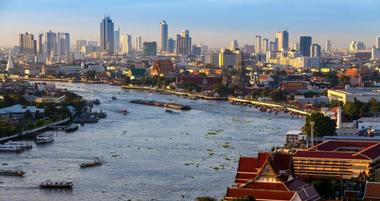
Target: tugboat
[(15, 173), (96, 162), (44, 138), (56, 184), (71, 128)]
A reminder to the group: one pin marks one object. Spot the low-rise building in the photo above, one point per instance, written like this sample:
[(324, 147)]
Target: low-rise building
[(362, 94)]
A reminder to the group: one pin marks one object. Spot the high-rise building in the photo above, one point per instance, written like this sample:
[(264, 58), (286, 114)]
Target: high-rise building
[(234, 45), (328, 46), (107, 35), (273, 46), (375, 53), (27, 43), (249, 49), (230, 58), (63, 46), (196, 50), (184, 43), (258, 44), (282, 39), (357, 46), (212, 58), (138, 44), (126, 44), (305, 45), (81, 44), (378, 42), (40, 44), (171, 45), (164, 36), (116, 38), (150, 49), (50, 43), (265, 44), (315, 50)]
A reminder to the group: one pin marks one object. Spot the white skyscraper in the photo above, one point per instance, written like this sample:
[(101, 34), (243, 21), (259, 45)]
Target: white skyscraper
[(138, 44), (282, 39), (378, 42), (265, 44), (328, 46), (116, 39), (234, 45)]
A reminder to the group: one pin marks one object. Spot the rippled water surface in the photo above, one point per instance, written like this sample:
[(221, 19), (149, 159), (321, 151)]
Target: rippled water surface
[(150, 154)]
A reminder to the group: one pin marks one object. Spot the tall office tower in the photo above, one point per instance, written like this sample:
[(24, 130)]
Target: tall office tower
[(305, 45), (184, 43), (378, 42), (282, 39), (50, 44), (273, 46), (375, 53), (116, 38), (164, 36), (63, 46), (234, 45), (171, 45), (357, 46), (315, 50), (107, 35), (328, 46), (249, 49), (295, 46), (40, 43), (138, 46), (196, 50), (27, 43), (150, 49), (126, 44), (81, 44), (265, 44), (230, 58), (259, 47)]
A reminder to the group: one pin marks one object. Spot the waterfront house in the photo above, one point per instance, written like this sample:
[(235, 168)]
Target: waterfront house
[(135, 73), (17, 111), (269, 177), (205, 83)]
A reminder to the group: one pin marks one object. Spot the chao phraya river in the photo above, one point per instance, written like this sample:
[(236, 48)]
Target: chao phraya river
[(149, 154)]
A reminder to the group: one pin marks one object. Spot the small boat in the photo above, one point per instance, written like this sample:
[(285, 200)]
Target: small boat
[(56, 184), (11, 148), (96, 162), (124, 111), (71, 128), (22, 144), (96, 102), (113, 98), (44, 138), (15, 173), (169, 111)]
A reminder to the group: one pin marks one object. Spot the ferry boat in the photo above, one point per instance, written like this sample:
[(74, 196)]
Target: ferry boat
[(71, 128), (44, 138), (11, 148), (22, 144), (16, 173), (56, 184), (96, 162)]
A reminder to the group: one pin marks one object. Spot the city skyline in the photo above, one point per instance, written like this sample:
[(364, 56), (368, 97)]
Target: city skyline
[(213, 22)]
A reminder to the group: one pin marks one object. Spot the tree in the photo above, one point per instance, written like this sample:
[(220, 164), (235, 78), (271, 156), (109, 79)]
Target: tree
[(222, 90), (373, 105), (278, 95), (355, 110), (90, 75), (28, 115), (323, 125), (344, 80)]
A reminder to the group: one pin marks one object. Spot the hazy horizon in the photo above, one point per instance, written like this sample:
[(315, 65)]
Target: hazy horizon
[(211, 22)]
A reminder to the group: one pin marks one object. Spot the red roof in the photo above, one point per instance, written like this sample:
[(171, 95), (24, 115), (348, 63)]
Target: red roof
[(266, 185), (328, 154), (247, 164), (372, 190), (260, 194), (335, 145)]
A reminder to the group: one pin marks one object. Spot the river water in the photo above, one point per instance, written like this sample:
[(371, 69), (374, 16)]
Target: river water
[(149, 154)]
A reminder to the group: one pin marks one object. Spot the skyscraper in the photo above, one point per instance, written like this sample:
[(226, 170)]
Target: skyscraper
[(50, 43), (305, 45), (258, 44), (81, 44), (164, 36), (184, 43), (234, 45), (116, 37), (328, 46), (150, 49), (40, 44), (63, 46), (315, 50), (378, 42), (171, 45), (126, 44), (107, 35), (265, 44), (282, 39), (27, 43), (138, 44), (273, 46)]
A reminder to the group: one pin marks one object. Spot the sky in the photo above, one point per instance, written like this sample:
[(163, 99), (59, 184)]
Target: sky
[(211, 22)]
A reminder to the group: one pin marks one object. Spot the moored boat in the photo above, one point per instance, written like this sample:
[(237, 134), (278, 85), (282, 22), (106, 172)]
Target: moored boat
[(15, 173), (22, 144), (11, 148), (71, 128), (56, 184), (44, 138)]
